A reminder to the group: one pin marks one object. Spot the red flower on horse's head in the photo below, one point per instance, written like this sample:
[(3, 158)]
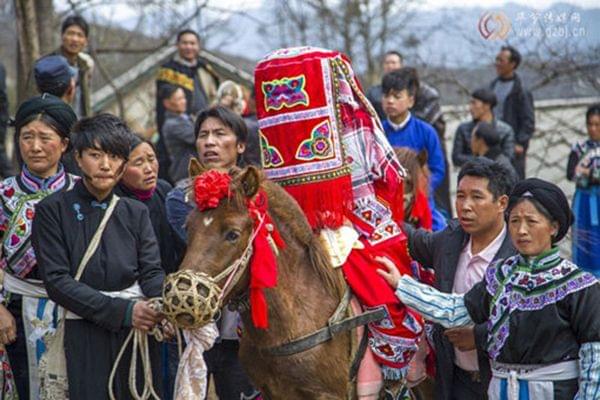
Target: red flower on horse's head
[(210, 187)]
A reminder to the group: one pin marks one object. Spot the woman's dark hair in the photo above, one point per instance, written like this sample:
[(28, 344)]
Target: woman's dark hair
[(46, 119), (75, 20), (166, 91), (538, 206), (500, 179), (135, 140), (594, 109), (103, 132)]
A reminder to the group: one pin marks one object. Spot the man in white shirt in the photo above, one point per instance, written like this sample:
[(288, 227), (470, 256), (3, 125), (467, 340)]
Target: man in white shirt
[(460, 254)]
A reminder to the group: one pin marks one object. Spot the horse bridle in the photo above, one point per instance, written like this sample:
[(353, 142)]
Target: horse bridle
[(234, 272)]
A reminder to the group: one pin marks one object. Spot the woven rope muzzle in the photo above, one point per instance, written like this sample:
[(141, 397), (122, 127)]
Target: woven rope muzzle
[(193, 299)]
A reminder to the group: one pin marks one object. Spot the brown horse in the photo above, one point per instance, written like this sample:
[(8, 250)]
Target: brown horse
[(307, 292)]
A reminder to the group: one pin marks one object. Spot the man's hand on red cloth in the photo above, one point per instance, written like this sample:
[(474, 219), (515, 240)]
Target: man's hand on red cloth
[(390, 273)]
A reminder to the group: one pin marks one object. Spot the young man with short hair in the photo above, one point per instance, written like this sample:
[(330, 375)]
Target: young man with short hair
[(74, 39), (405, 130), (460, 255), (481, 106)]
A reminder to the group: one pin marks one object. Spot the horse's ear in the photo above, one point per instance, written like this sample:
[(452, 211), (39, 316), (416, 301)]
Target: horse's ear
[(195, 168), (250, 181)]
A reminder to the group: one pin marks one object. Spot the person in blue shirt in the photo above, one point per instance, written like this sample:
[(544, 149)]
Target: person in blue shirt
[(405, 130)]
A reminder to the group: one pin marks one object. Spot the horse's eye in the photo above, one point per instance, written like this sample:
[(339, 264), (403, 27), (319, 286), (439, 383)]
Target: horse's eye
[(232, 236)]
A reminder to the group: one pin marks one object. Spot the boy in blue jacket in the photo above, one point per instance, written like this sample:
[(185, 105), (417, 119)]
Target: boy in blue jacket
[(405, 130)]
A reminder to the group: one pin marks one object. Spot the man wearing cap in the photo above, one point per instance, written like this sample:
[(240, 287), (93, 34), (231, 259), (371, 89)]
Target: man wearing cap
[(74, 36), (54, 75), (481, 108)]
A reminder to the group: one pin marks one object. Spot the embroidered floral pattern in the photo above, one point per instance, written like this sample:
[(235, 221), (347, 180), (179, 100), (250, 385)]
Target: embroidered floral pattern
[(18, 197), (517, 286), (393, 349), (285, 92), (270, 155), (319, 146)]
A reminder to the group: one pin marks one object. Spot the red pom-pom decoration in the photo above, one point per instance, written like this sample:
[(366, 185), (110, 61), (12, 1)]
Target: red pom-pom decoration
[(210, 187)]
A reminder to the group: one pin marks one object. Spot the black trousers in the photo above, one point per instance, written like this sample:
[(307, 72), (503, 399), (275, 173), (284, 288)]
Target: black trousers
[(464, 387), (17, 351), (231, 382), (519, 164)]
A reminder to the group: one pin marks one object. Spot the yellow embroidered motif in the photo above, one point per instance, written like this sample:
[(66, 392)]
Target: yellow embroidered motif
[(176, 78)]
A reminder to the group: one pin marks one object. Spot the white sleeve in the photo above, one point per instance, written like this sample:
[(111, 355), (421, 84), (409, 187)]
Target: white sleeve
[(444, 308)]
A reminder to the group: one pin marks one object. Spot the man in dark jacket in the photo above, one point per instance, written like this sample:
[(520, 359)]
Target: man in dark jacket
[(460, 254), (196, 78), (481, 108), (515, 103)]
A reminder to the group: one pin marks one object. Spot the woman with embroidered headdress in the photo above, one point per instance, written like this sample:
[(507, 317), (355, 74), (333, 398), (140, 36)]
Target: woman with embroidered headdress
[(42, 126), (583, 168), (542, 311)]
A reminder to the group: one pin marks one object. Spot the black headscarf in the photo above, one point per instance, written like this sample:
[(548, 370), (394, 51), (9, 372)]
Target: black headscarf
[(550, 196), (49, 105)]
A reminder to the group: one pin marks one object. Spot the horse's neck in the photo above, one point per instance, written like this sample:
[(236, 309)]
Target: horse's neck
[(299, 304)]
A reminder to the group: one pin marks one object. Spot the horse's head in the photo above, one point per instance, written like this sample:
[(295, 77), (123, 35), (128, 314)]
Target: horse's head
[(218, 237)]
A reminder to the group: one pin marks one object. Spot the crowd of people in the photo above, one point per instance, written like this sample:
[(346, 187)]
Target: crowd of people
[(94, 218)]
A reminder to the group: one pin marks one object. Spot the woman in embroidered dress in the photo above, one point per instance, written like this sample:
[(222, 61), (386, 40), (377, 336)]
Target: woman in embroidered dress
[(584, 169), (42, 136), (140, 181), (110, 298), (542, 311)]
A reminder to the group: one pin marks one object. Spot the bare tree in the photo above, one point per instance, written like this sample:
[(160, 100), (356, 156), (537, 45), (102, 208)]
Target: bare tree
[(362, 29)]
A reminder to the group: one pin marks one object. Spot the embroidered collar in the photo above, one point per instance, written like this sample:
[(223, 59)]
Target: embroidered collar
[(34, 183), (517, 284), (542, 262)]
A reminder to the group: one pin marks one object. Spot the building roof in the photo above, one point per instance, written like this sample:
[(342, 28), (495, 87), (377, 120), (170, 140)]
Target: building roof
[(148, 67)]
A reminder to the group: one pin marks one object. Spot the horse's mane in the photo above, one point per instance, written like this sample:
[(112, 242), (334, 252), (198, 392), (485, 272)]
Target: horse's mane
[(283, 208)]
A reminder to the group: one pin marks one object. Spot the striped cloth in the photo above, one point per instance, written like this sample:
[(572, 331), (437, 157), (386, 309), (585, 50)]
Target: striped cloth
[(446, 309)]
